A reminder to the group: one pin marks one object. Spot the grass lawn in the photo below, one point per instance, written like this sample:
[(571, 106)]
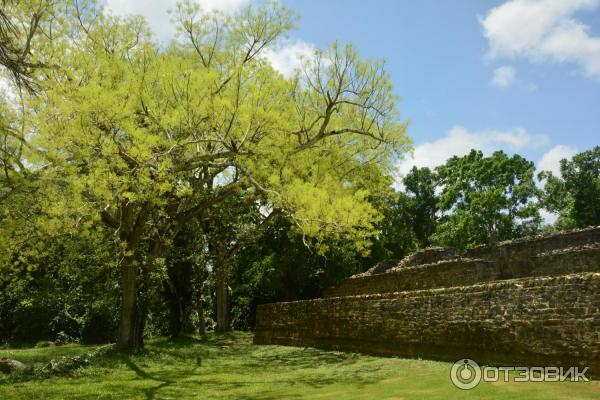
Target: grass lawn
[(230, 367)]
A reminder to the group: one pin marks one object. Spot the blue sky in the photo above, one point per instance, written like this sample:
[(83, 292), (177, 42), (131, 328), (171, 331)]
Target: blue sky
[(518, 75), (441, 64)]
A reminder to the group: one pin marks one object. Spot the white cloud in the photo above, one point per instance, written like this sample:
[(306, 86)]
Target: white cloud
[(550, 161), (5, 86), (503, 77), (155, 11), (544, 30), (8, 89), (227, 6), (548, 217), (459, 141), (290, 56)]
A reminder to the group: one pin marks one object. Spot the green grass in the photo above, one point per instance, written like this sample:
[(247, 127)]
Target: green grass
[(230, 367)]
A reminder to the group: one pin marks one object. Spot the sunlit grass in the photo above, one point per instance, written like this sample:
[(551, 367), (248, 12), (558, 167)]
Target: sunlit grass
[(230, 367)]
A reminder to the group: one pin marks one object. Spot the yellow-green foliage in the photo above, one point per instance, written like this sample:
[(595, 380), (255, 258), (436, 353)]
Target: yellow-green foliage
[(120, 120)]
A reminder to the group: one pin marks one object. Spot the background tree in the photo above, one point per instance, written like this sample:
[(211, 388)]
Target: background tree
[(420, 184), (279, 266), (185, 264), (486, 199), (395, 231), (575, 195), (62, 290), (227, 229)]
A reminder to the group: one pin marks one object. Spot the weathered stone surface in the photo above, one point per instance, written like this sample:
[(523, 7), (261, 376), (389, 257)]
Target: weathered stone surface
[(419, 257), (428, 256), (380, 268), (442, 274), (533, 301), (551, 255), (8, 366), (553, 321)]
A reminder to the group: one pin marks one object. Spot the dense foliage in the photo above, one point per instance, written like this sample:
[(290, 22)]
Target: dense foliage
[(486, 199), (575, 194)]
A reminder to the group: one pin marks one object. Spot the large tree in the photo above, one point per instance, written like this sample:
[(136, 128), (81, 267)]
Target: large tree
[(575, 195), (144, 138), (486, 199)]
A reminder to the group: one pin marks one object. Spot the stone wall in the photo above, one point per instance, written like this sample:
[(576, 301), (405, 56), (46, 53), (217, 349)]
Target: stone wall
[(443, 274), (552, 321), (533, 301), (538, 244), (462, 272), (552, 255)]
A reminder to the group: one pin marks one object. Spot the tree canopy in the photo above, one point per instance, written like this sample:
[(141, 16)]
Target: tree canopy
[(142, 138), (486, 199)]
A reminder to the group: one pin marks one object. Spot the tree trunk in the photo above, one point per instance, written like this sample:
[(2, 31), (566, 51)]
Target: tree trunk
[(131, 320), (200, 309), (200, 275), (222, 301)]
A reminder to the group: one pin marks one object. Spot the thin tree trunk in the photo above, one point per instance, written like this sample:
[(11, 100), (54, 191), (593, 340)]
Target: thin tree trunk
[(222, 301), (201, 322), (200, 309), (201, 274)]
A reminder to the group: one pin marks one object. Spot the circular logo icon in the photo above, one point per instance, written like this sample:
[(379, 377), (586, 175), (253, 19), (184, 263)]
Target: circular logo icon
[(465, 374)]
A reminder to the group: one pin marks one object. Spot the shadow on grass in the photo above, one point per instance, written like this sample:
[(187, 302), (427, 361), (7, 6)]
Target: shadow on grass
[(166, 380), (239, 357), (308, 358), (150, 393), (227, 364)]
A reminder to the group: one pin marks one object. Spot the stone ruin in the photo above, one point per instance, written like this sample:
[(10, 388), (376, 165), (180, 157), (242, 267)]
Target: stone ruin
[(527, 302)]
